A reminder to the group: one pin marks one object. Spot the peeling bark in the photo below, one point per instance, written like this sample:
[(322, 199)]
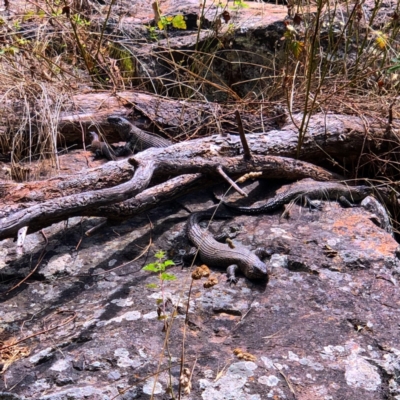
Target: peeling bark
[(332, 138), (185, 119), (107, 191)]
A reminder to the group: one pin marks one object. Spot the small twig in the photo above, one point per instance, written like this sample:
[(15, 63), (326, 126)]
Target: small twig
[(273, 335), (13, 387), (103, 28), (183, 340), (97, 227), (241, 319), (230, 181), (42, 254), (246, 148), (67, 321), (151, 375), (191, 372), (123, 265), (81, 238), (220, 373), (287, 381), (389, 127)]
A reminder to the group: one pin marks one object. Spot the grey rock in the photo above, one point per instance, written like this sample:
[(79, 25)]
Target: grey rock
[(114, 375), (299, 323), (10, 396), (78, 393)]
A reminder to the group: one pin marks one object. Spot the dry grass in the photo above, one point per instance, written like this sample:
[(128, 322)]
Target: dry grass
[(335, 58)]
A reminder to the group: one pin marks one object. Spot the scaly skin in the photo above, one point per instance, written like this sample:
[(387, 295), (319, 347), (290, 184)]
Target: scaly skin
[(312, 190), (218, 254), (135, 137)]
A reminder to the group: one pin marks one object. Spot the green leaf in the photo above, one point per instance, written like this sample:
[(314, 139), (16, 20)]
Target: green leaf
[(167, 277), (153, 267), (167, 263), (238, 4), (22, 41), (163, 23), (396, 66), (297, 47), (160, 254), (152, 286), (179, 22), (29, 15), (11, 50)]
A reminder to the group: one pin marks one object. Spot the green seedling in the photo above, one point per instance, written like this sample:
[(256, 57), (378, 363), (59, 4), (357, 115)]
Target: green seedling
[(159, 267), (239, 5), (177, 21)]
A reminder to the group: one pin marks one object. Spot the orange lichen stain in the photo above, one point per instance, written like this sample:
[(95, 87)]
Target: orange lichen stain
[(362, 231)]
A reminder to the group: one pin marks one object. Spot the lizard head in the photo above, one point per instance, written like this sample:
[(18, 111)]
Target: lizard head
[(364, 191), (258, 269), (122, 125)]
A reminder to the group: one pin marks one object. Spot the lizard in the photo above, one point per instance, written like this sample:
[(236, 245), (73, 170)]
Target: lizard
[(101, 148), (308, 189), (135, 137), (214, 253)]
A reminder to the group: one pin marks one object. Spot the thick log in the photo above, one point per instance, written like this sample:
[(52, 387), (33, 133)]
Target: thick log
[(183, 119), (200, 156), (108, 175), (203, 156), (152, 166), (332, 138)]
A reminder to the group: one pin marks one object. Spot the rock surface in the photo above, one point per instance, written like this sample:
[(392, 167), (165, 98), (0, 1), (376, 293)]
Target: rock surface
[(85, 324), (325, 326)]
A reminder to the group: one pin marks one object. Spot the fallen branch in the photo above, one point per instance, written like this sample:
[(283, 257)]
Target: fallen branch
[(154, 164), (210, 159)]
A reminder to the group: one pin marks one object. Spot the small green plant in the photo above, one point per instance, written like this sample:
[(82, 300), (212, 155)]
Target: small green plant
[(9, 50), (159, 267), (21, 41), (396, 65), (78, 20), (239, 4), (17, 25), (295, 46), (28, 16), (152, 32), (177, 21), (56, 13)]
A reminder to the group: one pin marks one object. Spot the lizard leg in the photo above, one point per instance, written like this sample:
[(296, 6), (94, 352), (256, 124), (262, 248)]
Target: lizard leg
[(231, 273), (98, 154), (312, 205), (346, 203), (123, 151)]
